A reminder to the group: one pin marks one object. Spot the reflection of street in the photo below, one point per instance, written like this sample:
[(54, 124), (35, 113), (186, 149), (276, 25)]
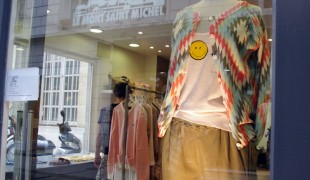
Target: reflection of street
[(52, 132)]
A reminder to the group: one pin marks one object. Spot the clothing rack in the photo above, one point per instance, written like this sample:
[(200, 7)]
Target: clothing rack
[(126, 122), (146, 90)]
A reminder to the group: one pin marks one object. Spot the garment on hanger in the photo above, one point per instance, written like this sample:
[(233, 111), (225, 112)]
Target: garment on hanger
[(146, 97), (137, 149), (155, 113), (150, 130), (130, 174), (156, 169)]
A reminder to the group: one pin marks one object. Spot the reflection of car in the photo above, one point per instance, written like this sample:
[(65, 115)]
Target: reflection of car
[(44, 146)]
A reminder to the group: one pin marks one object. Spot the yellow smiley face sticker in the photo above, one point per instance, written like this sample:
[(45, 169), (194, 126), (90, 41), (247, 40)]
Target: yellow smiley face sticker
[(198, 50)]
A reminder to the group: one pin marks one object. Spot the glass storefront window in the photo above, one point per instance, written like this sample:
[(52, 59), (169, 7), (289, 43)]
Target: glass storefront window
[(81, 50)]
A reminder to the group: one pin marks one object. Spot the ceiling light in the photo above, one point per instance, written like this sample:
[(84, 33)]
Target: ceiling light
[(140, 32), (270, 40), (95, 29), (167, 46), (151, 47), (48, 11), (19, 48), (159, 50), (134, 45)]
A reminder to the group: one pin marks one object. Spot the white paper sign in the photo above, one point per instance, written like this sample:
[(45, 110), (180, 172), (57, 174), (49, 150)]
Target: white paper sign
[(22, 85)]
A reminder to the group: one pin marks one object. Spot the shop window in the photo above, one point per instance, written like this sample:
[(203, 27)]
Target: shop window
[(80, 91)]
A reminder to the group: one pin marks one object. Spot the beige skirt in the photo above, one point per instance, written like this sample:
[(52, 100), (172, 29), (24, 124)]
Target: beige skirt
[(191, 151)]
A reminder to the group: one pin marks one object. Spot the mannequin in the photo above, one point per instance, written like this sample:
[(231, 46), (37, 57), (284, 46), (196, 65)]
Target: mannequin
[(207, 8), (214, 111)]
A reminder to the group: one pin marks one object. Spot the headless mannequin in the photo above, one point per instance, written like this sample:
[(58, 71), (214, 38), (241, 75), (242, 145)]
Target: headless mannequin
[(207, 8), (194, 151)]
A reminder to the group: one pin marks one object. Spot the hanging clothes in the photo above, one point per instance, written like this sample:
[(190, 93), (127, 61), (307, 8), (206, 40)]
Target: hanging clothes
[(150, 130), (137, 148), (156, 169)]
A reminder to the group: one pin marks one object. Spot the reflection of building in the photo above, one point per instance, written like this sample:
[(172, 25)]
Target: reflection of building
[(80, 9), (100, 2), (62, 86)]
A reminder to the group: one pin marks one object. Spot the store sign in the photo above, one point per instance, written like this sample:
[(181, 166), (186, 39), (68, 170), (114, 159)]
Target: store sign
[(100, 11), (22, 85)]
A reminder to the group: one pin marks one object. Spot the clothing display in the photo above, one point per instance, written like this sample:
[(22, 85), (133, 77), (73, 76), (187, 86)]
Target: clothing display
[(242, 60), (202, 152), (150, 131), (155, 113), (137, 148), (201, 101), (142, 143), (130, 174), (214, 110), (155, 171)]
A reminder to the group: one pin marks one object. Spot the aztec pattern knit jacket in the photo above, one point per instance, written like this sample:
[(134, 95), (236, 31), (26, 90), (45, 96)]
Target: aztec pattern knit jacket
[(243, 68)]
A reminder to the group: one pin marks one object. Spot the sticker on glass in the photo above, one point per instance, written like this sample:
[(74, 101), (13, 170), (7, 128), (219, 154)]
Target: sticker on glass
[(198, 50)]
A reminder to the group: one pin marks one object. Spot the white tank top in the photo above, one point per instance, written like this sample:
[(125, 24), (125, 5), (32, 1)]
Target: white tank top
[(201, 100)]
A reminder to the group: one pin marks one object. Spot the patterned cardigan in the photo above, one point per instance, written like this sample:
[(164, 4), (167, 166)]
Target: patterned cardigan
[(243, 68)]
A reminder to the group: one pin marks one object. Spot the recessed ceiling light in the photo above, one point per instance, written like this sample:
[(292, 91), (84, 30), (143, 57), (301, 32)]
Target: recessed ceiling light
[(20, 48), (167, 46), (140, 32), (134, 45), (270, 40), (151, 47), (159, 50), (48, 11), (95, 29)]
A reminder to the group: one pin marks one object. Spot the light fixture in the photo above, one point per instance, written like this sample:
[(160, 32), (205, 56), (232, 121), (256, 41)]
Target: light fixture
[(269, 40), (151, 47), (134, 45), (95, 29), (19, 48), (167, 45), (159, 51), (140, 32), (48, 11)]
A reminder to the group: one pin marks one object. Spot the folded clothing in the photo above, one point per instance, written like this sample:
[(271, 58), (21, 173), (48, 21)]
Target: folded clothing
[(59, 161)]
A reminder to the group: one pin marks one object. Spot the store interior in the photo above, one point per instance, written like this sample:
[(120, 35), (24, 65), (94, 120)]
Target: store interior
[(105, 56)]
